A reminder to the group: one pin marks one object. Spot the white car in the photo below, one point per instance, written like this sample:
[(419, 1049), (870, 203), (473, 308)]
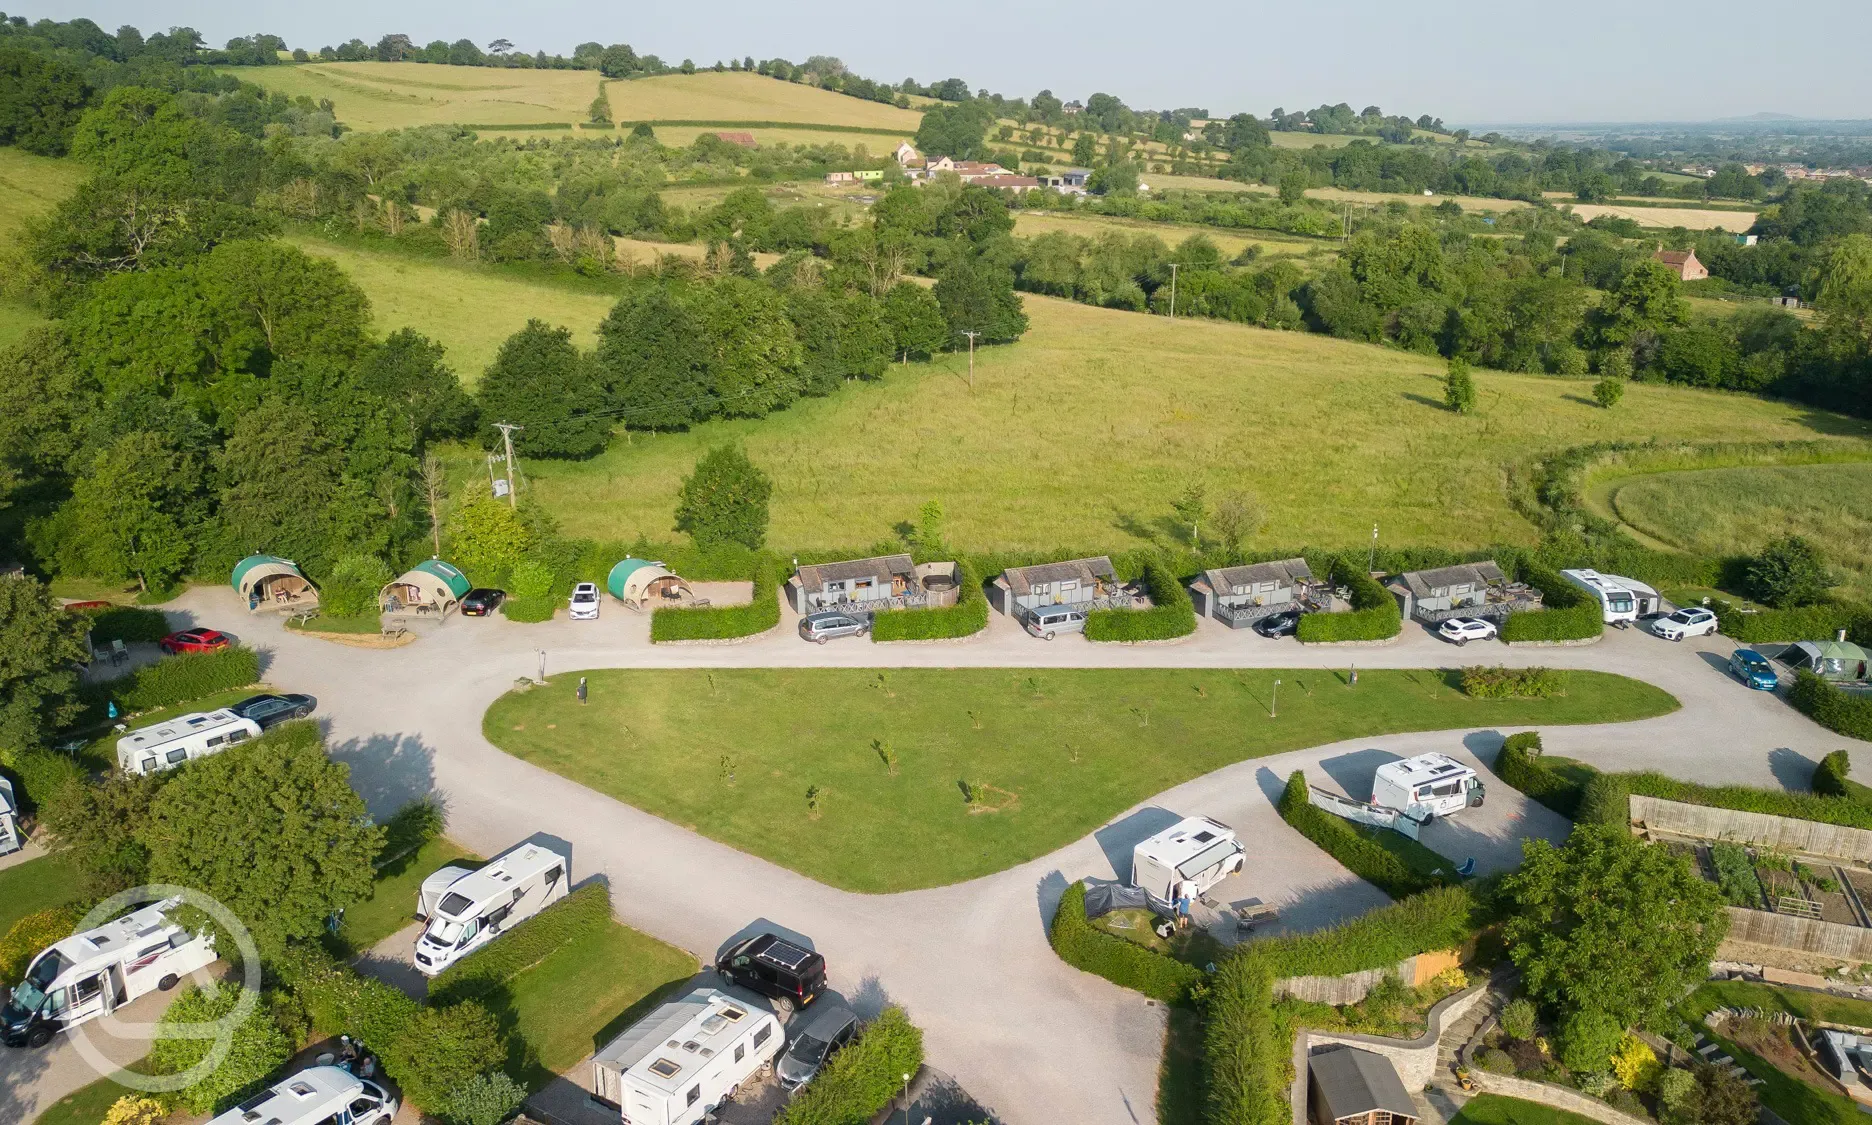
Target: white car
[(1462, 630), (1690, 622), (585, 601)]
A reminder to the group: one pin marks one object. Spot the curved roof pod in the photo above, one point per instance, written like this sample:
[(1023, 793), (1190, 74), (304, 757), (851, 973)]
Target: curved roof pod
[(268, 581), (429, 583), (638, 580)]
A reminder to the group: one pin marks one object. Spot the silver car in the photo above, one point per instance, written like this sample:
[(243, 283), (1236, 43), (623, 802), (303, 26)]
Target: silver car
[(825, 1031), (829, 623)]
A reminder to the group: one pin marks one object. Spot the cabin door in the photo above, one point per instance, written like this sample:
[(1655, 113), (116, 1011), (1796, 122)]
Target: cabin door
[(85, 999), (115, 989)]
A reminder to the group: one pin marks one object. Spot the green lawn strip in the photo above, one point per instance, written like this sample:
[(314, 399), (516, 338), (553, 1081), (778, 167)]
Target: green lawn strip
[(1047, 755), (1788, 1096), (1179, 1075), (37, 884), (392, 904), (86, 1105), (102, 753), (1807, 1005), (581, 996), (1412, 854), (369, 623), (1493, 1109)]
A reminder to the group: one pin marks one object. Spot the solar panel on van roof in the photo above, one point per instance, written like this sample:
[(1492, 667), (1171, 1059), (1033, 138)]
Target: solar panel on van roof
[(786, 955)]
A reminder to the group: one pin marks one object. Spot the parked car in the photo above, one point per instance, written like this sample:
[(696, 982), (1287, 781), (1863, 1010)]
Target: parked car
[(808, 1048), (1279, 625), (267, 710), (1753, 669), (1462, 630), (1049, 621), (195, 640), (788, 974), (482, 601), (1693, 621), (585, 601), (826, 624), (80, 607)]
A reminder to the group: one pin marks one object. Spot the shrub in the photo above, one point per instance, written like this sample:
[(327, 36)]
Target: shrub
[(29, 935), (175, 679), (1604, 799), (341, 1001), (1608, 391), (724, 500), (485, 1099), (1495, 1061), (1517, 1019), (1833, 778), (1847, 713), (1519, 764), (1675, 1088), (442, 1048), (1374, 616), (40, 774), (1800, 623), (1512, 683), (712, 623), (129, 624), (1337, 838), (860, 1080), (1587, 1039), (1124, 963), (584, 911), (132, 1109), (1441, 918), (1170, 615), (530, 610), (259, 1048), (965, 618), (1459, 389), (1735, 874), (410, 827), (353, 587), (1635, 1064), (1569, 614), (1788, 572)]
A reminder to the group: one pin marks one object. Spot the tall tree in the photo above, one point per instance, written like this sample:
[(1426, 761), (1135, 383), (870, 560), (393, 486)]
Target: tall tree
[(653, 358), (978, 296), (40, 100), (540, 381), (279, 479), (915, 321), (724, 500), (40, 643), (754, 355), (129, 516)]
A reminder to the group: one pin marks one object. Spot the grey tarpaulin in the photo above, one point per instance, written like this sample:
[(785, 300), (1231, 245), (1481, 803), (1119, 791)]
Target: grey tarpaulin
[(1103, 898)]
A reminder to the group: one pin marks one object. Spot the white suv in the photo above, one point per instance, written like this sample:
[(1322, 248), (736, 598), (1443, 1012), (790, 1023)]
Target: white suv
[(1691, 622), (1462, 630), (585, 601)]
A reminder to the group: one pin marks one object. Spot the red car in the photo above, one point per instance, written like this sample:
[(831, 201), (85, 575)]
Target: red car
[(80, 607), (195, 640)]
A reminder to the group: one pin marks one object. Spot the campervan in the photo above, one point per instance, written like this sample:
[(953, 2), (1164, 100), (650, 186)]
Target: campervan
[(1429, 785), (676, 1065), (319, 1096), (96, 972), (465, 912), (1185, 860), (184, 738), (10, 841), (1620, 599)]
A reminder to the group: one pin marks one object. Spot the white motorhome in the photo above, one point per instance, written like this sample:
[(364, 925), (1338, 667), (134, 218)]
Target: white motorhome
[(10, 840), (1619, 598), (683, 1060), (1429, 785), (471, 909), (323, 1095), (1185, 860), (90, 974), (184, 738)]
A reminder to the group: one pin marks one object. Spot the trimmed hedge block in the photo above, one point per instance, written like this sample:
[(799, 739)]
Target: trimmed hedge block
[(1842, 712), (711, 623), (1803, 623), (1124, 963), (861, 1079), (1519, 765), (1375, 615), (1570, 615), (176, 679), (964, 619), (1337, 838), (129, 624), (1171, 614)]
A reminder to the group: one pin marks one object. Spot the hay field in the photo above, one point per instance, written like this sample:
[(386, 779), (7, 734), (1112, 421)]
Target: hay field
[(1309, 140), (1379, 198), (1231, 243), (880, 143), (1690, 218), (374, 95), (1737, 510)]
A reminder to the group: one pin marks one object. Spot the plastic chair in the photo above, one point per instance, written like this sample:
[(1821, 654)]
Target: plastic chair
[(119, 653)]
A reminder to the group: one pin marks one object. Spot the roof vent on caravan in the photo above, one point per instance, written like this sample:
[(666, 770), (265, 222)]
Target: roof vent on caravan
[(664, 1068)]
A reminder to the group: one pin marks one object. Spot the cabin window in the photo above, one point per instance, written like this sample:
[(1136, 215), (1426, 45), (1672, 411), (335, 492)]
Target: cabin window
[(1266, 587), (695, 1094), (177, 757), (1043, 587), (1461, 588), (1069, 586), (1239, 590), (761, 1035)]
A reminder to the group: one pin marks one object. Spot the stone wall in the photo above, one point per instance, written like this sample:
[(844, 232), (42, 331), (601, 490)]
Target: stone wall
[(1557, 1096), (1803, 837), (1414, 1059)]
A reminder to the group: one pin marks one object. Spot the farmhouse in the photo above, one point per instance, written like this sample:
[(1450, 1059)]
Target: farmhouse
[(431, 587), (1087, 583), (1683, 262), (1477, 589), (1238, 596), (1349, 1086), (884, 582), (266, 582), (907, 156), (1010, 182), (745, 140)]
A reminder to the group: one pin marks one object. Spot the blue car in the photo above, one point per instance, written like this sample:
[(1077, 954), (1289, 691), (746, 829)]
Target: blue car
[(1753, 669)]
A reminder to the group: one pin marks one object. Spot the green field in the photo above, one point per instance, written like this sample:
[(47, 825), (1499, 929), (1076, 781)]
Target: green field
[(86, 1105), (1737, 510), (29, 186), (1049, 755), (37, 884), (1493, 1109)]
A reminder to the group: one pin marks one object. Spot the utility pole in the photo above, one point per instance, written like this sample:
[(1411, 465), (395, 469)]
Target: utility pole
[(971, 339), (1173, 269), (507, 429)]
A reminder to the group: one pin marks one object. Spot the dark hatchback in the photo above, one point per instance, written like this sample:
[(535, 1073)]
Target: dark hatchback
[(267, 710), (481, 602), (786, 973), (1278, 625)]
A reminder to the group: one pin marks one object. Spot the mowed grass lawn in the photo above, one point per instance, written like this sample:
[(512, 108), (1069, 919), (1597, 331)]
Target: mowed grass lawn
[(1493, 1109), (37, 884), (1051, 755), (1790, 1097), (392, 904), (1737, 510)]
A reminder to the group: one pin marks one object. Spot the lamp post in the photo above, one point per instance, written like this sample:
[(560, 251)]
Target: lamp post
[(906, 1096), (1371, 560), (542, 671), (1274, 701)]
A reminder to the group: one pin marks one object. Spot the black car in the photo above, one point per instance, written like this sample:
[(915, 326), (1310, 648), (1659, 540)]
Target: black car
[(786, 973), (481, 602), (267, 710), (1279, 624)]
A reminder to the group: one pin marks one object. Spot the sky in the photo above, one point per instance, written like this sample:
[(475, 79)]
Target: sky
[(1466, 61)]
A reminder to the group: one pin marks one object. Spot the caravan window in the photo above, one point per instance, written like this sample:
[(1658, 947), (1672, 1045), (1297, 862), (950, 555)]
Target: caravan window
[(552, 880), (761, 1035), (238, 736), (85, 989), (740, 1049), (177, 757), (149, 764), (695, 1094), (1448, 789)]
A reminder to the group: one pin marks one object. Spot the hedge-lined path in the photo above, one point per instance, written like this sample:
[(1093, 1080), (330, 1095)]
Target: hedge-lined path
[(1035, 1040)]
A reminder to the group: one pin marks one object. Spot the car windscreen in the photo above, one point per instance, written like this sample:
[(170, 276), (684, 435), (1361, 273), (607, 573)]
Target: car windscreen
[(807, 1049), (443, 931), (27, 998)]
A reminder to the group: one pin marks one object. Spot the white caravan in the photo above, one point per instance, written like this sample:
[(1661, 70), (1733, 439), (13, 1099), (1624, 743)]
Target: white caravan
[(10, 841), (1619, 598), (474, 907), (98, 971), (183, 738), (1429, 785), (323, 1095), (680, 1062), (1185, 859)]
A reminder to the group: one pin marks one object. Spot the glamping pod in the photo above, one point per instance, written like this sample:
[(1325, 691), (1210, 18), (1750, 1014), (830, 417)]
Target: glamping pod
[(636, 581), (430, 587), (270, 582)]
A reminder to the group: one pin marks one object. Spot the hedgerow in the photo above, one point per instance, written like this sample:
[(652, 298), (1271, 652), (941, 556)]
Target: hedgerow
[(581, 913), (965, 618), (1375, 615), (38, 774), (1801, 623), (1171, 614), (175, 679), (1499, 682), (861, 1079), (1519, 764), (1124, 963), (1568, 613), (720, 623), (1337, 838), (129, 624), (1842, 712)]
